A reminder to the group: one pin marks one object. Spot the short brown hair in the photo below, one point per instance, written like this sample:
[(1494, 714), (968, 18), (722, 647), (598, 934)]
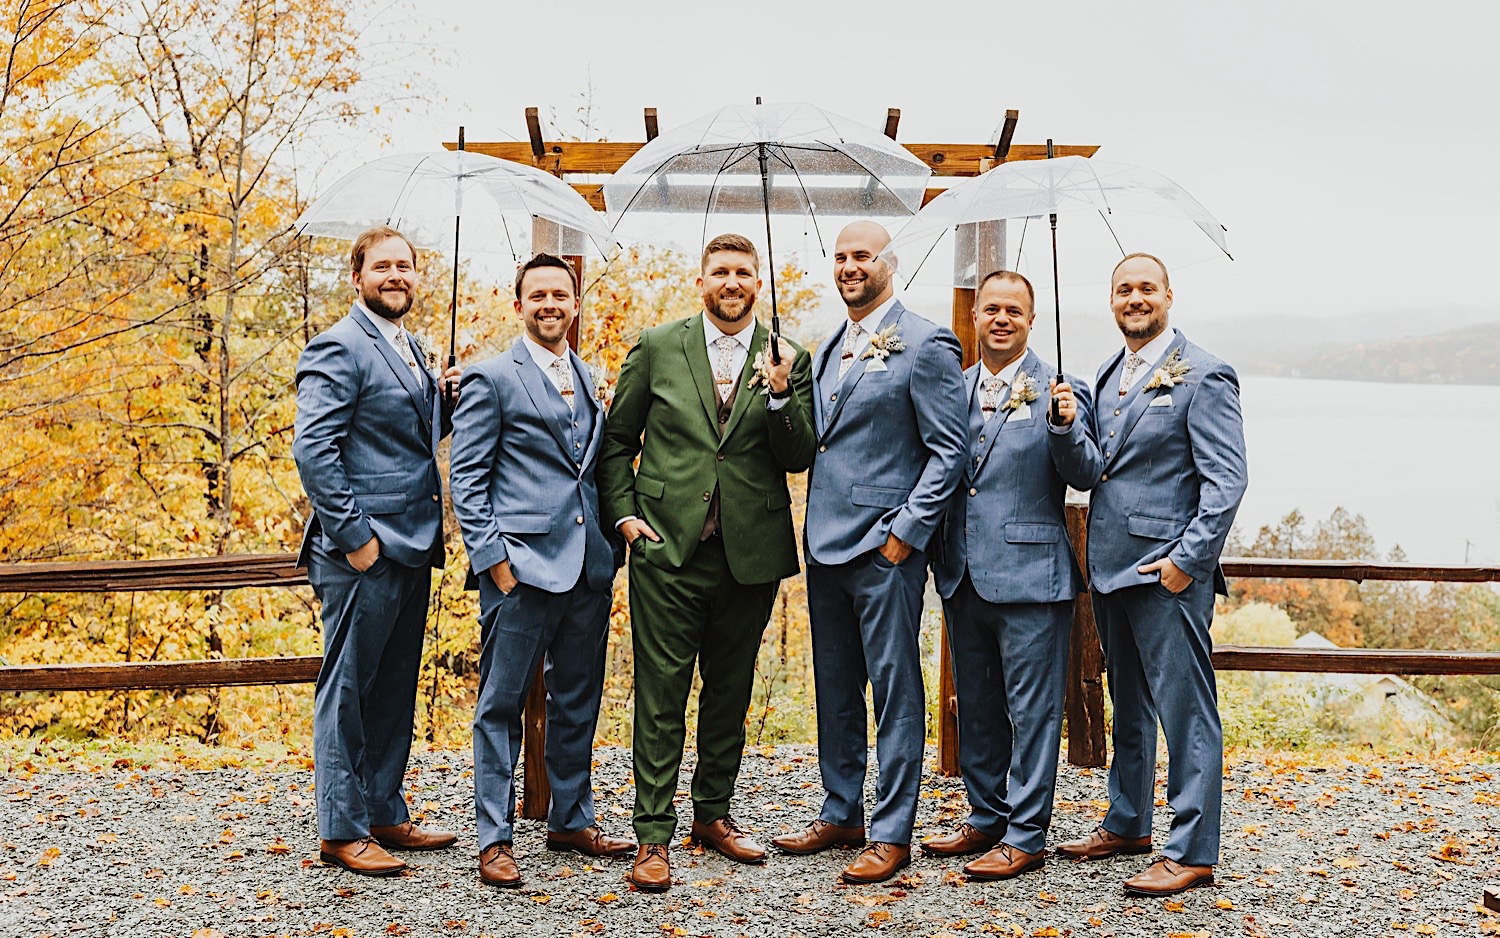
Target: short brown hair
[(1013, 277), (1166, 282), (546, 260), (372, 236), (735, 243)]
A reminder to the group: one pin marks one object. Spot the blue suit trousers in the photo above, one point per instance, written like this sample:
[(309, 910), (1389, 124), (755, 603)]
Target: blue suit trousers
[(519, 630), (866, 619), (366, 692), (1010, 663), (1157, 652)]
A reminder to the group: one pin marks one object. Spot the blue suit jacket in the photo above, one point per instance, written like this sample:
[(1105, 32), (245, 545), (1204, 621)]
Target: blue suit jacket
[(1173, 475), (1005, 522), (890, 447), (367, 433), (518, 490)]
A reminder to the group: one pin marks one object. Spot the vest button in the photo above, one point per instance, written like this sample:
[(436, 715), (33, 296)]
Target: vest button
[(579, 519), (1117, 411), (1104, 478), (721, 457), (1111, 433), (834, 396), (437, 498), (973, 492), (822, 449)]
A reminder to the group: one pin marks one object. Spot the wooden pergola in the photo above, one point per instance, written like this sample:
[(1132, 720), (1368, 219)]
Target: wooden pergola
[(569, 160)]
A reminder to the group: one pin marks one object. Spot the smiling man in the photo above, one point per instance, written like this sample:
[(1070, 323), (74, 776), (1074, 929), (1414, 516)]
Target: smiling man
[(891, 446), (369, 418), (1168, 422), (717, 426), (526, 439), (1008, 578)]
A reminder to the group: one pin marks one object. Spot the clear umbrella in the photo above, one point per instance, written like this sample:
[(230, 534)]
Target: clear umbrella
[(435, 197), (764, 159), (1034, 188)]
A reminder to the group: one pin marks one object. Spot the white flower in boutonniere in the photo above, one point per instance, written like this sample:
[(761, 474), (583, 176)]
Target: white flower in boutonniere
[(761, 373), (884, 344), (425, 350), (1021, 393), (1171, 373), (598, 386)]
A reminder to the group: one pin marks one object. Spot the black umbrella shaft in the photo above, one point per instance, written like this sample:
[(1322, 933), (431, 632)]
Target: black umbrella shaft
[(1056, 320), (765, 198), (453, 311)]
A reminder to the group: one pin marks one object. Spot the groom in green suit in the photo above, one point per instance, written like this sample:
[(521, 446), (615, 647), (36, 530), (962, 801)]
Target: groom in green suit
[(708, 518)]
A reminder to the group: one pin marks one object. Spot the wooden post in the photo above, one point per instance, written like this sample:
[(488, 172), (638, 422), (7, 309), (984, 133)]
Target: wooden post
[(1084, 708)]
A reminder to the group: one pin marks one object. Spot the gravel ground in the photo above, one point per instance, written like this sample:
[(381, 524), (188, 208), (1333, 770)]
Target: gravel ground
[(1344, 848)]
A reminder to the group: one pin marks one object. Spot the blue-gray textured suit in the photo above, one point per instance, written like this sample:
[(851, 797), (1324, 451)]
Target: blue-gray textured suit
[(367, 431), (1007, 576), (891, 446), (522, 476), (1173, 476)]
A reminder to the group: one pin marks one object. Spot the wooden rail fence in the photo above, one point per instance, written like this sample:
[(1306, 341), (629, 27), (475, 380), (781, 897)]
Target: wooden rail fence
[(1085, 700)]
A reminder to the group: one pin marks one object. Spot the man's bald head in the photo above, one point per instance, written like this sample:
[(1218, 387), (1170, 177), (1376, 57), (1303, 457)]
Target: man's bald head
[(863, 278)]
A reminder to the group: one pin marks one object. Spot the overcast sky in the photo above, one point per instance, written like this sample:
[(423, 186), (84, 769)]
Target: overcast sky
[(1351, 152)]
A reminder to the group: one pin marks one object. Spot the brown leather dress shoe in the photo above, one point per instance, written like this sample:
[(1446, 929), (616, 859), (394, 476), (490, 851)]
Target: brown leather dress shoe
[(1101, 844), (962, 842), (819, 836), (877, 863), (653, 868), (725, 836), (409, 836), (1004, 862), (497, 866), (1168, 878), (591, 842), (365, 857)]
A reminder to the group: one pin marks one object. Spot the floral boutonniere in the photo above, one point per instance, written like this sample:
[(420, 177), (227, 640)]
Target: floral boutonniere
[(1171, 373), (425, 350), (883, 345), (761, 372), (597, 385), (1022, 392)]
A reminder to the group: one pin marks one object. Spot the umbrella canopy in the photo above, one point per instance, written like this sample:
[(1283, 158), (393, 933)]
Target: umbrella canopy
[(1037, 188), (817, 163), (422, 193)]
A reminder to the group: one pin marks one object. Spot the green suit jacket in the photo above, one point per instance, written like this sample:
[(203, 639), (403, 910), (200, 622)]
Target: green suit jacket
[(666, 411)]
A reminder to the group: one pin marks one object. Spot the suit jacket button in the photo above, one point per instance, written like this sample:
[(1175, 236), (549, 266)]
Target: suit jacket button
[(721, 457), (1104, 478), (973, 492), (822, 449), (1117, 411), (1111, 433), (834, 396), (707, 495), (579, 519), (437, 498)]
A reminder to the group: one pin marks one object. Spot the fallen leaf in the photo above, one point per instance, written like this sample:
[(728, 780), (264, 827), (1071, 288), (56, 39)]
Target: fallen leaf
[(607, 898), (1172, 905), (396, 928), (1224, 904)]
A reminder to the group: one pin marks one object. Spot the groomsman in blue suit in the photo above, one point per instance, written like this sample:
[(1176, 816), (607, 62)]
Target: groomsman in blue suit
[(526, 440), (892, 439), (369, 418), (1168, 421), (1007, 576)]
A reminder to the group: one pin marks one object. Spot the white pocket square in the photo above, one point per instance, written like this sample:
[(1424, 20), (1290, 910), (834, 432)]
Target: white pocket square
[(1021, 413), (1163, 400), (876, 364)]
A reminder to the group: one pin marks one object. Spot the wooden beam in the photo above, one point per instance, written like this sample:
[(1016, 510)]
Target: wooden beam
[(1358, 571), (1355, 660), (651, 127), (945, 159), (153, 675), (892, 121), (534, 131), (1007, 132), (178, 573)]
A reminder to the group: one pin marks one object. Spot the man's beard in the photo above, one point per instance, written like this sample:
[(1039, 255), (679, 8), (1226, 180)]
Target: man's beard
[(868, 291), (378, 305), (717, 308), (1152, 329)]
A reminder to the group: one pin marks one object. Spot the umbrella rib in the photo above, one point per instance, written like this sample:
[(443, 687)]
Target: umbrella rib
[(875, 176), (708, 202), (402, 194), (1021, 244), (811, 212), (1112, 234)]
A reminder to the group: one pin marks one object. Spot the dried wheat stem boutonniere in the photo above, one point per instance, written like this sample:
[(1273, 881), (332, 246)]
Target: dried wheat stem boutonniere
[(761, 373), (1171, 373), (1023, 391), (425, 349), (884, 344)]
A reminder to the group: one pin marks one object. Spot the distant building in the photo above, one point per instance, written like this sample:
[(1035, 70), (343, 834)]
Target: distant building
[(1377, 700)]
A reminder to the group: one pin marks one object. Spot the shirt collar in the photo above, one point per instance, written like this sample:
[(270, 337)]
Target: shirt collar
[(387, 328), (1006, 374), (543, 357), (1153, 351), (871, 323), (712, 333)]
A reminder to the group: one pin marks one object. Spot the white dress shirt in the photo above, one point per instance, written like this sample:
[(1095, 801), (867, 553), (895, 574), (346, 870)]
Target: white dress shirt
[(737, 353), (870, 324), (544, 359), (1152, 352), (394, 333)]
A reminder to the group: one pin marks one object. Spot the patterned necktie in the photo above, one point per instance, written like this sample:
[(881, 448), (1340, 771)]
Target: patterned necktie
[(403, 346), (1133, 364), (562, 378), (852, 336), (724, 366), (989, 397)]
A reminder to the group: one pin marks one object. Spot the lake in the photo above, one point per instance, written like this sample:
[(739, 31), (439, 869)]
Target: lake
[(1420, 462)]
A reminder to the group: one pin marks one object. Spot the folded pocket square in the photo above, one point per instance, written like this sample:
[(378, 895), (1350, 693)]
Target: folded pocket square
[(876, 364), (1162, 400), (1021, 413)]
